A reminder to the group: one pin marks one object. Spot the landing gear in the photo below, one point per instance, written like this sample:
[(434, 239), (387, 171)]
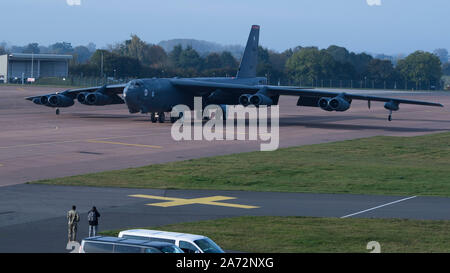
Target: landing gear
[(153, 117), (174, 119), (57, 111), (390, 115), (161, 117)]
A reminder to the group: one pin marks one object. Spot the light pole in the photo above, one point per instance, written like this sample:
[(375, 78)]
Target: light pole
[(101, 66), (32, 63)]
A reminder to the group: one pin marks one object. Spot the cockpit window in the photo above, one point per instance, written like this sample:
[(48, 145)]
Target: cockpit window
[(132, 85), (135, 84)]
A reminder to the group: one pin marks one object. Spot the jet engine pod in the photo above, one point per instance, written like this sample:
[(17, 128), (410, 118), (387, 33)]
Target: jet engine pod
[(391, 105), (81, 98), (324, 104), (339, 104), (259, 99), (60, 101), (98, 98), (244, 99), (37, 101), (43, 100)]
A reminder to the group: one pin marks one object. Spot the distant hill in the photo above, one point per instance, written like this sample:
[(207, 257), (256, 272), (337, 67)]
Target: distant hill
[(202, 47)]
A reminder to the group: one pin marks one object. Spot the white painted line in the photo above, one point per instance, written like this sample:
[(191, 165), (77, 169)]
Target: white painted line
[(391, 203)]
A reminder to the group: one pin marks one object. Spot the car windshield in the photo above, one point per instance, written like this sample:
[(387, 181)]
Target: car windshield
[(208, 246), (171, 249)]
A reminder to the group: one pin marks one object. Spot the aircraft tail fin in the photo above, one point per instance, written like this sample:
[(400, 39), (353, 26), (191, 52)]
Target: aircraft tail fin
[(247, 68)]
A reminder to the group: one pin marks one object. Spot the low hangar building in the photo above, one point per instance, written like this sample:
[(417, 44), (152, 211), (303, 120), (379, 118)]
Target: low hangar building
[(23, 65)]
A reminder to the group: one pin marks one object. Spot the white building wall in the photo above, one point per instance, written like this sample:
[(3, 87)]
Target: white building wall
[(4, 67)]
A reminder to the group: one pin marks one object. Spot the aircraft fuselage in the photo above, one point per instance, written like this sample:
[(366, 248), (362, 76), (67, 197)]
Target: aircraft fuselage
[(160, 95)]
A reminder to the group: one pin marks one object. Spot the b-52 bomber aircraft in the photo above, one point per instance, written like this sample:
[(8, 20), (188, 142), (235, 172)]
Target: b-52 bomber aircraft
[(159, 95)]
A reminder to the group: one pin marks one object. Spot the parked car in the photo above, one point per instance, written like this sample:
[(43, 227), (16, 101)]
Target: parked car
[(105, 244), (189, 243)]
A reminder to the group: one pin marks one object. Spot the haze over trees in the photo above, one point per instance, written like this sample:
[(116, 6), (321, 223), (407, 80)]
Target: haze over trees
[(2, 50), (442, 54), (446, 69), (202, 47)]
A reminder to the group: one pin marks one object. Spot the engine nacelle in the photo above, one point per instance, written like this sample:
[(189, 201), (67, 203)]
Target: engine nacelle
[(260, 99), (43, 100), (37, 101), (339, 104), (324, 104), (60, 101), (391, 105), (244, 100), (81, 97), (98, 99)]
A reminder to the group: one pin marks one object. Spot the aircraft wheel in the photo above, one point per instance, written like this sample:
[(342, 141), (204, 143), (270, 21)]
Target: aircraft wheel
[(153, 117), (174, 119), (161, 117), (57, 112)]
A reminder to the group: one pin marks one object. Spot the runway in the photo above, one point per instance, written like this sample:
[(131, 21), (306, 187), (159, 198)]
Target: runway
[(37, 144), (32, 217)]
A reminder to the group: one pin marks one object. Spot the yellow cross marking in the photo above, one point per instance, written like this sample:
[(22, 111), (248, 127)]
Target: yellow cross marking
[(172, 201), (125, 144)]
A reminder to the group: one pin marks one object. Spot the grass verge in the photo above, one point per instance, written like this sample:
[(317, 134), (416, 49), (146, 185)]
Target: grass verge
[(266, 234), (377, 165)]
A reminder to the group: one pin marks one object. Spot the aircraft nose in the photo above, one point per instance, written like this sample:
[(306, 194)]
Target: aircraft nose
[(131, 96)]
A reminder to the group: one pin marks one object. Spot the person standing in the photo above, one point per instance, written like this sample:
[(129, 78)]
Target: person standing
[(93, 216), (73, 218)]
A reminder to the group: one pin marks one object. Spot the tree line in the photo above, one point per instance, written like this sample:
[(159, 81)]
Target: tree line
[(138, 59), (306, 66)]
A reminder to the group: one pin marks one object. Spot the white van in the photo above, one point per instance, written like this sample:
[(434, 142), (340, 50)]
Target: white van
[(105, 244), (189, 243)]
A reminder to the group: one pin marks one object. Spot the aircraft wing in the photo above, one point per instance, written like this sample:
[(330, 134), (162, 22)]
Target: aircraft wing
[(204, 87), (275, 90), (112, 89), (197, 87)]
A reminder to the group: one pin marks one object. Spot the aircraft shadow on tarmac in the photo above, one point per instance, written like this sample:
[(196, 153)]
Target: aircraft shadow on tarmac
[(100, 116), (317, 122), (329, 123)]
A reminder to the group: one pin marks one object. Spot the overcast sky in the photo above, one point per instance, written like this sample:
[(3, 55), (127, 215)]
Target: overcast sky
[(377, 26)]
